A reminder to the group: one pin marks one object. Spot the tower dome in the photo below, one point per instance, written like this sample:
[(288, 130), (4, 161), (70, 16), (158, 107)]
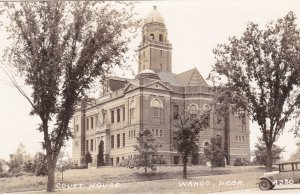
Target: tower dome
[(147, 73), (154, 17)]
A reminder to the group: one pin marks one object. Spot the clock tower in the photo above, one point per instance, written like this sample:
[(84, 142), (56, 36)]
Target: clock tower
[(155, 51)]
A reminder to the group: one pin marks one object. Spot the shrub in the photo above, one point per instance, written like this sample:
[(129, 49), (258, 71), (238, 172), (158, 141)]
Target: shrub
[(241, 162), (88, 158)]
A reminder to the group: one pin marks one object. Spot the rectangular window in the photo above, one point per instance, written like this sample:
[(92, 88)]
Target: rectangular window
[(92, 142), (92, 122), (112, 161), (87, 124), (118, 140), (117, 160), (236, 138), (87, 145), (176, 159), (176, 110), (240, 139), (103, 118), (77, 128), (243, 139), (128, 134), (118, 115), (132, 113), (123, 139), (160, 134), (112, 141), (134, 133), (123, 109), (112, 116), (156, 134)]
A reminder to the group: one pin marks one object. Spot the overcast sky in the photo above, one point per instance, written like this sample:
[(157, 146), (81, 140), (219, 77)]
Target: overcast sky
[(194, 29)]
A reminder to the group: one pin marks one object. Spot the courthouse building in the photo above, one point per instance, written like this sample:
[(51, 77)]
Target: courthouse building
[(151, 101)]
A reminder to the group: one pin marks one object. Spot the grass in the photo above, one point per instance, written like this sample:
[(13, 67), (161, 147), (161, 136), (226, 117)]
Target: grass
[(169, 174)]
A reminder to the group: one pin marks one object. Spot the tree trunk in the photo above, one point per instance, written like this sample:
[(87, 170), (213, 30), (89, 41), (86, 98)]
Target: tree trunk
[(145, 170), (184, 169), (269, 158), (51, 170)]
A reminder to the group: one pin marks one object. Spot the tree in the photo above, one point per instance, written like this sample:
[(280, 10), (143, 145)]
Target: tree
[(61, 49), (88, 158), (147, 151), (3, 164), (260, 153), (100, 156), (296, 155), (17, 160), (261, 71), (186, 138), (40, 164), (63, 163), (214, 152)]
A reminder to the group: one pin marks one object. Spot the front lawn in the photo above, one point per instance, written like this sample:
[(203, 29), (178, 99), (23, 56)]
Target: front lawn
[(106, 175)]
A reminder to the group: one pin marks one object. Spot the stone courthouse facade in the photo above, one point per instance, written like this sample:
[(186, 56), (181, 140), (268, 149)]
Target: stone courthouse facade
[(152, 101)]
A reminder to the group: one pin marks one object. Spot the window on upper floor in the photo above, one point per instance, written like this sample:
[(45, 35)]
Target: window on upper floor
[(112, 114), (77, 128), (176, 112), (156, 106), (123, 139), (103, 117), (118, 140), (92, 144), (193, 111), (132, 109), (87, 145), (123, 110), (161, 38), (87, 124), (92, 122), (151, 36), (112, 145), (118, 115)]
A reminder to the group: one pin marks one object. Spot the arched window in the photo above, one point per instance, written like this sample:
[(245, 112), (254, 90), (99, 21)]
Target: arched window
[(161, 39), (156, 105), (206, 107), (151, 36)]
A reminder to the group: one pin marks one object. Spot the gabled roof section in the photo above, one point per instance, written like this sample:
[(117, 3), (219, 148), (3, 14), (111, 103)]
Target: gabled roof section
[(131, 85), (157, 85), (191, 78)]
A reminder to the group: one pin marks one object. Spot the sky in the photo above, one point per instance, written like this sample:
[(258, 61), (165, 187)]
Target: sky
[(194, 29)]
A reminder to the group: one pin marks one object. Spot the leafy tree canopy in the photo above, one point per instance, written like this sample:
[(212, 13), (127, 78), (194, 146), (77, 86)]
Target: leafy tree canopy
[(261, 71)]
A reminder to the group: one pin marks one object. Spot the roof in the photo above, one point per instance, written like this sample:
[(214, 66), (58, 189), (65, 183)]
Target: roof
[(191, 78), (169, 77), (154, 17)]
